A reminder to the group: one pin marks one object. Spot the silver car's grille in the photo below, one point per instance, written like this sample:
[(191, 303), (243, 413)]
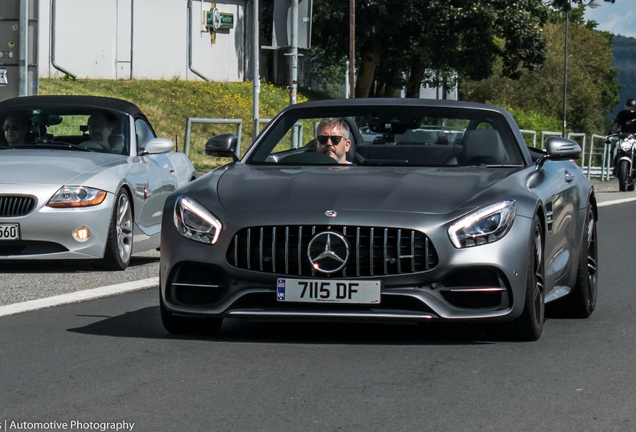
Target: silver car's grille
[(11, 206), (373, 251)]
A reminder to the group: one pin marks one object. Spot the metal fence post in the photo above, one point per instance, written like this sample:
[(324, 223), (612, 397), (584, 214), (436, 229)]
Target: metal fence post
[(190, 120)]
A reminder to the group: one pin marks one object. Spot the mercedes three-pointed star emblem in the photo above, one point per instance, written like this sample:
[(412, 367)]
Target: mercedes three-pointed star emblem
[(328, 252)]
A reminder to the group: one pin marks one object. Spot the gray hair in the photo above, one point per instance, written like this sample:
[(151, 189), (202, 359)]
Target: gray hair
[(336, 122)]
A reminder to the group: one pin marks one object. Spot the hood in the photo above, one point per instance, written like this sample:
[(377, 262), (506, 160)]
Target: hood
[(418, 190), (51, 167)]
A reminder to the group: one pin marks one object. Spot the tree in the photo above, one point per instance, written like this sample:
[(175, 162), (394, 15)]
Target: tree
[(399, 40), (592, 86)]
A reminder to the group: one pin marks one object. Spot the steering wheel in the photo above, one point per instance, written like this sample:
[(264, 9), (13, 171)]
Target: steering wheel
[(93, 145), (308, 158)]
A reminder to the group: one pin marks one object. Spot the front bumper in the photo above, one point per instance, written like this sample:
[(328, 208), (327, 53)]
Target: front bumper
[(482, 282), (47, 233)]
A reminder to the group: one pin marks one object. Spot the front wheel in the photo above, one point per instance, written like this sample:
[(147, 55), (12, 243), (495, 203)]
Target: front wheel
[(623, 175), (120, 234), (529, 326), (580, 303)]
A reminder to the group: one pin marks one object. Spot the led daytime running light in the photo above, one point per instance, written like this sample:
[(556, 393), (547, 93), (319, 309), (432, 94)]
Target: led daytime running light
[(486, 225), (195, 222)]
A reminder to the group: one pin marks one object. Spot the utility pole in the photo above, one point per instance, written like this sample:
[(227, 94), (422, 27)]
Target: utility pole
[(565, 71), (256, 81), (293, 88), (352, 48)]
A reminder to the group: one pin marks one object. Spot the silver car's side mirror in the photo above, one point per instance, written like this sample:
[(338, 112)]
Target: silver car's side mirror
[(559, 147), (158, 146)]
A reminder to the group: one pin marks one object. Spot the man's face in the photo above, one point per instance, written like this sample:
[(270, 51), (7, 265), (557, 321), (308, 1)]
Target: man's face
[(330, 148), (14, 132), (98, 129)]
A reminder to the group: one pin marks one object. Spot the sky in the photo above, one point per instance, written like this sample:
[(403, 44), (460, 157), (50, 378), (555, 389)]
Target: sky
[(618, 18)]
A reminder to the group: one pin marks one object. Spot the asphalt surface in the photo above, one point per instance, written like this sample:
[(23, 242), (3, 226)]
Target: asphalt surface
[(109, 360)]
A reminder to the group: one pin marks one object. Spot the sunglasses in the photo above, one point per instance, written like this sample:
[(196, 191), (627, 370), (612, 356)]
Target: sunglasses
[(335, 139), (14, 128)]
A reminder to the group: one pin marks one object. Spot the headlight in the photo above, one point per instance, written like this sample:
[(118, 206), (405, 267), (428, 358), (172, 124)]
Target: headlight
[(195, 222), (76, 196), (627, 145), (486, 225)]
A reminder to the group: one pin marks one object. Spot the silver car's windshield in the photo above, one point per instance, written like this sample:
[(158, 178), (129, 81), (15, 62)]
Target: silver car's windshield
[(65, 127), (393, 136)]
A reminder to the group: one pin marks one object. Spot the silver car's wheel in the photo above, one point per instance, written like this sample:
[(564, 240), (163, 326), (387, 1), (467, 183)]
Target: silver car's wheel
[(120, 234), (529, 325)]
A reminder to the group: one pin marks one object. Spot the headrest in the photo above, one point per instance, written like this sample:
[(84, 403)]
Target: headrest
[(482, 146)]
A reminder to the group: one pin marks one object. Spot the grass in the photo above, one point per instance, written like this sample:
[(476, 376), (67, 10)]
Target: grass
[(168, 103)]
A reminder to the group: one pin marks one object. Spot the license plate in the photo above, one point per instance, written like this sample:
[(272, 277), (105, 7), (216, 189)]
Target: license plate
[(9, 231), (328, 291)]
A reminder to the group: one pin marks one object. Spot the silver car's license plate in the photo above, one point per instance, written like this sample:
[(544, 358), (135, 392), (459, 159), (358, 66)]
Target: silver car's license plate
[(9, 231), (328, 291)]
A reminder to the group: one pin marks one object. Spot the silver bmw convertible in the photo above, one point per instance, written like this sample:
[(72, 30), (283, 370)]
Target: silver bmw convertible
[(392, 210), (83, 177)]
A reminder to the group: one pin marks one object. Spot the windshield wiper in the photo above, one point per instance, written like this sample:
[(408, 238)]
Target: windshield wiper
[(60, 144)]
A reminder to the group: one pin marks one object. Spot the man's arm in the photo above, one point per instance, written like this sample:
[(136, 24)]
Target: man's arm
[(617, 124)]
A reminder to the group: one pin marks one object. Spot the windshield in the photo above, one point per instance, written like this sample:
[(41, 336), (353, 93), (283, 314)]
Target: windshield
[(67, 127), (389, 135)]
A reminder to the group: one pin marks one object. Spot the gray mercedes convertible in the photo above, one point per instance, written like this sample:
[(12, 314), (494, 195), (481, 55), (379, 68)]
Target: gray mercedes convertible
[(391, 210)]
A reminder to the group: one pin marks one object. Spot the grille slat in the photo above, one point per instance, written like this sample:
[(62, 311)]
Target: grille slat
[(396, 247), (12, 206)]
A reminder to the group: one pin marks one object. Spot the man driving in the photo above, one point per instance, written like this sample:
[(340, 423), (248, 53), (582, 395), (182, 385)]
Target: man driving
[(15, 129), (333, 138)]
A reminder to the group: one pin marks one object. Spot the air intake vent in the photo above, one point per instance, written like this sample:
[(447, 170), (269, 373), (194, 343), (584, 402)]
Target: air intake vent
[(20, 247), (373, 251), (12, 206)]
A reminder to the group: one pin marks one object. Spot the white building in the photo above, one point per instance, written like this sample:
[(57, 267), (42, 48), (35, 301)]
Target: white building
[(143, 39)]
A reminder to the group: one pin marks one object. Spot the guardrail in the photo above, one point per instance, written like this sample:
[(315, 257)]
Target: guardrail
[(297, 131), (589, 155), (190, 120)]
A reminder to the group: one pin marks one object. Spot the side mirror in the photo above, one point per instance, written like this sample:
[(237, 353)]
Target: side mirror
[(223, 145), (158, 146), (559, 147)]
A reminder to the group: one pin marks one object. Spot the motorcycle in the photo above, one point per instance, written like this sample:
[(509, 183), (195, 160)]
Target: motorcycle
[(624, 166)]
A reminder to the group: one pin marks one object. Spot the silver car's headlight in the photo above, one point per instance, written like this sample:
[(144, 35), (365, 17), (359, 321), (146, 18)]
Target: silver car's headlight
[(485, 225), (76, 196), (195, 222)]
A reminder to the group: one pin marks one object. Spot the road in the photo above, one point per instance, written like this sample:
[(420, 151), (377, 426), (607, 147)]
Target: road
[(109, 360)]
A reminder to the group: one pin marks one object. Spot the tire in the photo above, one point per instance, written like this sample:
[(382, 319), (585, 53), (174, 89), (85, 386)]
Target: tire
[(581, 302), (120, 234), (529, 325), (176, 324), (623, 168)]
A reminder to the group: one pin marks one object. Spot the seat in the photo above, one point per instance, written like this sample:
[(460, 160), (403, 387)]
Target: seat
[(116, 142), (482, 146)]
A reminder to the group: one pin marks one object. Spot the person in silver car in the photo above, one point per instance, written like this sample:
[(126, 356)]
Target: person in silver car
[(15, 128), (100, 128)]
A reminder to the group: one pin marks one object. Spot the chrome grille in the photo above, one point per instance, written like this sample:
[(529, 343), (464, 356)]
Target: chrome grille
[(11, 206), (373, 251)]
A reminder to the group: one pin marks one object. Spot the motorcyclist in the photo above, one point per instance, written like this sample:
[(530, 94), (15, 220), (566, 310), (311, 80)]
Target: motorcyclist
[(625, 120), (624, 124)]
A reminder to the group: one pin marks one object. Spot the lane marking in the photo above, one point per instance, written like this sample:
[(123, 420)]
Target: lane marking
[(78, 296), (618, 201)]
